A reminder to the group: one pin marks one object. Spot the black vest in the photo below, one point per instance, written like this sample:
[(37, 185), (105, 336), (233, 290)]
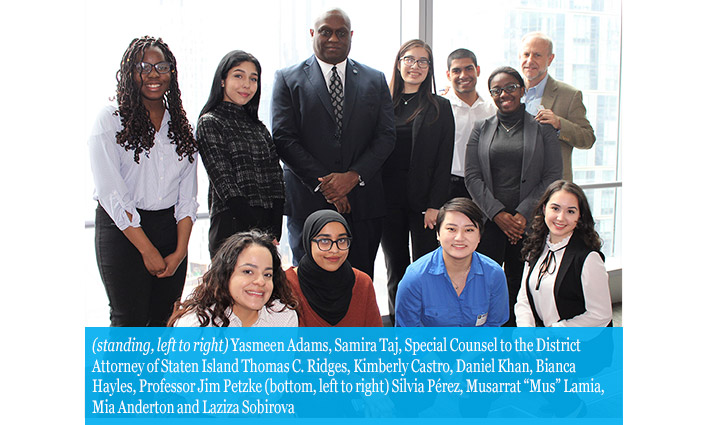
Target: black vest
[(569, 297)]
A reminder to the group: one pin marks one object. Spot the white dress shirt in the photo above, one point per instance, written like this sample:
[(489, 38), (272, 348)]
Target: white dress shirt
[(465, 117), (595, 286), (267, 317), (158, 182), (326, 71)]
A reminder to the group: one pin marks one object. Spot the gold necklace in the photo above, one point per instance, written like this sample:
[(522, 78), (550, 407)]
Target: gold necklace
[(508, 130)]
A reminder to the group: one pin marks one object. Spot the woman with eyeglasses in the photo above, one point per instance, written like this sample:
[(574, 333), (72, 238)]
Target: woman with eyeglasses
[(510, 160), (143, 158), (246, 188), (564, 280), (330, 292), (416, 174)]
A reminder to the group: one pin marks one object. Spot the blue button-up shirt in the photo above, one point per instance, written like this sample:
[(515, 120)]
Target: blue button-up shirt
[(426, 296), (534, 96)]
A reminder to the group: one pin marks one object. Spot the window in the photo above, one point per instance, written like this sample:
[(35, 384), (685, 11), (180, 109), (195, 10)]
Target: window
[(586, 37), (274, 31)]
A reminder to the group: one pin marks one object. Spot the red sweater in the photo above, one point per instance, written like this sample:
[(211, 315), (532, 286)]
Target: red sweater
[(363, 309)]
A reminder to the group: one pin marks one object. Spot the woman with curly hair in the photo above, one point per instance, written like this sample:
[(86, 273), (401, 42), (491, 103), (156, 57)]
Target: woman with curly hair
[(564, 281), (246, 188), (245, 287), (143, 158)]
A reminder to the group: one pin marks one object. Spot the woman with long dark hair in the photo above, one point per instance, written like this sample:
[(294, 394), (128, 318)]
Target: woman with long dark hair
[(329, 290), (244, 287), (510, 160), (143, 158), (246, 188), (564, 281), (416, 174)]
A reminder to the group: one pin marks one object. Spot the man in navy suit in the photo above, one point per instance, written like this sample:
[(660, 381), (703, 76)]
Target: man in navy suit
[(333, 127)]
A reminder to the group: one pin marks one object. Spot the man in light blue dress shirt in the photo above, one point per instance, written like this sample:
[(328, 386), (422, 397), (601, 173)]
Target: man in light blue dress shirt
[(554, 102)]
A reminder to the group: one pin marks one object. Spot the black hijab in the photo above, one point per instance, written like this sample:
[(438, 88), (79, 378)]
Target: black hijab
[(329, 293)]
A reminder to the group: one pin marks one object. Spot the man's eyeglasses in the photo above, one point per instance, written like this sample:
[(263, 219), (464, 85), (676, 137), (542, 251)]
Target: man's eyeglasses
[(511, 88), (340, 34), (325, 244), (410, 61), (160, 67)]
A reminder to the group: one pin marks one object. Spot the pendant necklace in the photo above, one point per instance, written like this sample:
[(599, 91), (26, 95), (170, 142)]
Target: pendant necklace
[(508, 130), (456, 287), (405, 101)]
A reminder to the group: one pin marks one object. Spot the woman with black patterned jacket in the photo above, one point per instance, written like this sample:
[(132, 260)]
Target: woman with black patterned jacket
[(246, 188)]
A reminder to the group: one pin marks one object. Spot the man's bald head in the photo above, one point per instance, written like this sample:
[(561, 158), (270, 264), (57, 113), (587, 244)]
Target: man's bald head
[(331, 36)]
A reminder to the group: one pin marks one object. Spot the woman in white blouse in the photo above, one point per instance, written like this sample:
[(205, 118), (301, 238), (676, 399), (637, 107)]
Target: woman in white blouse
[(245, 287), (143, 158), (564, 281)]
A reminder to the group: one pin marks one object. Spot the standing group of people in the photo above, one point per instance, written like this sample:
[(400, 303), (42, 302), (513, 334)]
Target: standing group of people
[(366, 163)]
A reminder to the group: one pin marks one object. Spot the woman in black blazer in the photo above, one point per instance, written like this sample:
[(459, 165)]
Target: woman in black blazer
[(564, 281), (416, 174), (510, 160)]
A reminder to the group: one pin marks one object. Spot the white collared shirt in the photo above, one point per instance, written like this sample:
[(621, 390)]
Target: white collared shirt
[(158, 182), (326, 71), (595, 286), (276, 316), (465, 117)]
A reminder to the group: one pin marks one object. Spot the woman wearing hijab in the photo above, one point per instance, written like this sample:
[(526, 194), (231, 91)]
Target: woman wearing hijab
[(329, 290)]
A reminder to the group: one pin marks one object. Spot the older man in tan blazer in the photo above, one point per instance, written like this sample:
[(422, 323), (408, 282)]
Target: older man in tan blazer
[(554, 102)]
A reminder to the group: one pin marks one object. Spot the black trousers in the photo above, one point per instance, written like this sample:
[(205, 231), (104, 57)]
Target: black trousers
[(136, 297), (494, 243), (224, 224), (402, 225), (364, 246)]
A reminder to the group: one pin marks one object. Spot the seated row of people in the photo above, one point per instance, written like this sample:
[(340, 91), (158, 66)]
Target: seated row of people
[(564, 280)]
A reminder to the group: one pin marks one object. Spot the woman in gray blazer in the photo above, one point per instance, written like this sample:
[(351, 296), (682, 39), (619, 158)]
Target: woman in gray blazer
[(510, 161)]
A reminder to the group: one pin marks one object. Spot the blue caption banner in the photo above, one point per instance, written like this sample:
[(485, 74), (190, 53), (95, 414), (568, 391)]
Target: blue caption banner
[(392, 375)]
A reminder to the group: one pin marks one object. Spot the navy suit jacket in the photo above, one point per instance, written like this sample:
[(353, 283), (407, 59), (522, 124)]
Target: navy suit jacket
[(304, 131)]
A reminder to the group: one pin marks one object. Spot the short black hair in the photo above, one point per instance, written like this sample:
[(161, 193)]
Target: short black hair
[(465, 206), (461, 54), (507, 70)]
